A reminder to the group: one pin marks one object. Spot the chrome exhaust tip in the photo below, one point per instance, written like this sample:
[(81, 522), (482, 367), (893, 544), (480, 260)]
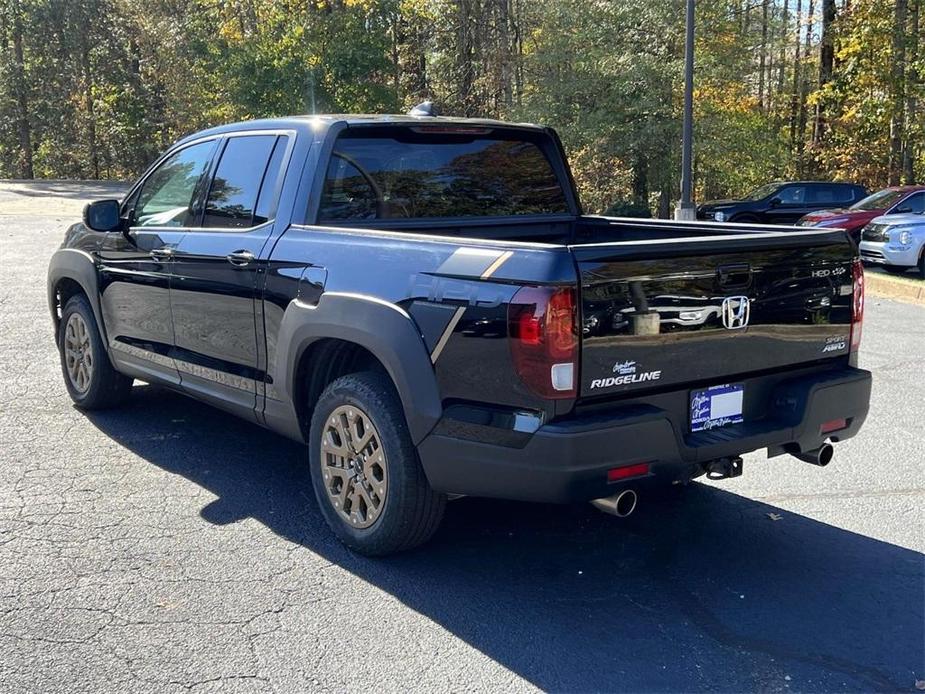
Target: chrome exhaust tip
[(620, 505), (821, 456)]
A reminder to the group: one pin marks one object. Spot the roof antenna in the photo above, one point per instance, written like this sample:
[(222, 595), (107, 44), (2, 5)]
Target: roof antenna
[(425, 108)]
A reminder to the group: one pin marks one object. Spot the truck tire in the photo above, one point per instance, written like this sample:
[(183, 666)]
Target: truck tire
[(365, 470), (89, 376)]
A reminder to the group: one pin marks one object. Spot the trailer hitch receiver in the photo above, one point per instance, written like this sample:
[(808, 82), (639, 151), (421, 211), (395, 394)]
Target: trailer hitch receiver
[(724, 468)]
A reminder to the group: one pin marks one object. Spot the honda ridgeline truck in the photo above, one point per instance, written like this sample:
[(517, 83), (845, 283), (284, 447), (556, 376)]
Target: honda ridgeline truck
[(421, 301)]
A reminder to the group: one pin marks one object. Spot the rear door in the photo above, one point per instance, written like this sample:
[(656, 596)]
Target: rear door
[(216, 269), (658, 314), (135, 264)]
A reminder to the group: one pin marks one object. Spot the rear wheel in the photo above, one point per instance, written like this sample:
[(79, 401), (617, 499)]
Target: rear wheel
[(365, 471), (89, 376)]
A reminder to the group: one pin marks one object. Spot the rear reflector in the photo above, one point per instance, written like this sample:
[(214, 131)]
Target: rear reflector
[(834, 425), (621, 473)]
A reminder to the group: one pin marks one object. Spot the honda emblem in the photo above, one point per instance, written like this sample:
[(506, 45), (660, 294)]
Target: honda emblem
[(736, 310)]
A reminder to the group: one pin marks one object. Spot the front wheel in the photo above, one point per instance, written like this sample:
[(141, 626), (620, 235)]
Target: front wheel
[(89, 376), (365, 471)]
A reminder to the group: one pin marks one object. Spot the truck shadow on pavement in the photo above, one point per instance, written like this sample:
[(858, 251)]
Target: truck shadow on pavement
[(699, 589)]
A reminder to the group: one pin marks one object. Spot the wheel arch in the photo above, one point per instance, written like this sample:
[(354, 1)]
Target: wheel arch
[(72, 272), (344, 333)]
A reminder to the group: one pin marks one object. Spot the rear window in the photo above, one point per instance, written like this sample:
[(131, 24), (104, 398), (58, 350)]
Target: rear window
[(404, 174), (825, 194)]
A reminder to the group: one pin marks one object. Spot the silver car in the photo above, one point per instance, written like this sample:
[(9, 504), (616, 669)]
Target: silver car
[(895, 242)]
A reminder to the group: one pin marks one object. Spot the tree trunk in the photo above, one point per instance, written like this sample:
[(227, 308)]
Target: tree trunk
[(91, 108), (804, 92), (782, 56), (640, 180), (464, 56), (507, 54), (897, 86), (826, 65), (795, 89), (763, 55), (913, 83), (21, 90)]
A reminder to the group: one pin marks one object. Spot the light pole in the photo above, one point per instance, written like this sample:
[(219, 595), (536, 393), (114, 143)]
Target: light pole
[(686, 208)]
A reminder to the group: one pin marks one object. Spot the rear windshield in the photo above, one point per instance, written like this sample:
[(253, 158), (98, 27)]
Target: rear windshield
[(399, 173)]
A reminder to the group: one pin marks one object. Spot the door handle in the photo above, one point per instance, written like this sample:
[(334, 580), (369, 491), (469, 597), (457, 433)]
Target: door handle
[(240, 258), (163, 253)]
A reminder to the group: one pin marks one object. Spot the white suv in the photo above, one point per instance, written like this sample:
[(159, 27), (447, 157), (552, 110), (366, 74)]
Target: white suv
[(896, 242)]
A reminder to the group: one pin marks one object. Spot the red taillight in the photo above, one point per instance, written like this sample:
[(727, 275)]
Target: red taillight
[(544, 339), (622, 473), (857, 308)]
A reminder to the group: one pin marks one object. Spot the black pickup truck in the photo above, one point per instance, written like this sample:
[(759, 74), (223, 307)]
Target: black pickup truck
[(421, 301)]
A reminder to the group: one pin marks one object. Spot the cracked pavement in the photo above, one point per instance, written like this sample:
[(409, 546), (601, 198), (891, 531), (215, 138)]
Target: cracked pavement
[(168, 547)]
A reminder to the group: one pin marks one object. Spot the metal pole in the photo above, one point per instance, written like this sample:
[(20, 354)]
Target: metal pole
[(686, 208)]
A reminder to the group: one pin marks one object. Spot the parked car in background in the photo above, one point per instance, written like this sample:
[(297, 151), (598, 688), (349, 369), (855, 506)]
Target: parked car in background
[(783, 202), (895, 200), (895, 242)]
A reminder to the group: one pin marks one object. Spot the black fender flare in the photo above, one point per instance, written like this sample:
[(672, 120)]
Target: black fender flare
[(80, 267), (383, 328)]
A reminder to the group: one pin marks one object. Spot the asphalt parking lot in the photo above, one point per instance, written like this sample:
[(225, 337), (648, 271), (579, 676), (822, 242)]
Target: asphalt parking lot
[(167, 547)]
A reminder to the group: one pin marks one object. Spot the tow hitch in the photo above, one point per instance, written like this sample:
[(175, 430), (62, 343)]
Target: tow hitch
[(724, 468)]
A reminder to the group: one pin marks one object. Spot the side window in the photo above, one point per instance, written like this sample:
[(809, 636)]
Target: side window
[(233, 193), (266, 199), (169, 196), (915, 203), (792, 195), (829, 194), (347, 194)]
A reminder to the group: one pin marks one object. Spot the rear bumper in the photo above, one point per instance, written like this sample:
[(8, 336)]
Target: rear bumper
[(568, 460)]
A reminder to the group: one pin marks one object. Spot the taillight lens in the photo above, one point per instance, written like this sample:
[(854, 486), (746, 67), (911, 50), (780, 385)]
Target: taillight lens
[(543, 328), (857, 308)]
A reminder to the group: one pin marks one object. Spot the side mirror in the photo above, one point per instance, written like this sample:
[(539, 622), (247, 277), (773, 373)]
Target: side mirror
[(905, 209), (775, 202), (102, 215)]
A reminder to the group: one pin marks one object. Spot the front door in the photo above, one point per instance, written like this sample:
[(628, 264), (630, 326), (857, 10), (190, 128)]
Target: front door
[(792, 203), (135, 265), (216, 269)]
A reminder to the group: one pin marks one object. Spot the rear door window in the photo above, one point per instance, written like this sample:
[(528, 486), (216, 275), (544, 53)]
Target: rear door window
[(399, 173), (233, 194)]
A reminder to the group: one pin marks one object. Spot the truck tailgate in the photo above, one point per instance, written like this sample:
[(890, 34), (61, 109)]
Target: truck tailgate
[(703, 310)]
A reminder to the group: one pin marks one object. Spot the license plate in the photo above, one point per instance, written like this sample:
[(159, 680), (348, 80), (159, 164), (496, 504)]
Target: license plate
[(716, 407)]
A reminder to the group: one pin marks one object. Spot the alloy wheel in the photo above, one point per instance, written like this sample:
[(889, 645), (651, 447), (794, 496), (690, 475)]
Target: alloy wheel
[(78, 356), (353, 466)]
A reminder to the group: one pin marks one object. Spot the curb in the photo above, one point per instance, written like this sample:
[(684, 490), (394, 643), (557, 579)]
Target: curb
[(912, 292)]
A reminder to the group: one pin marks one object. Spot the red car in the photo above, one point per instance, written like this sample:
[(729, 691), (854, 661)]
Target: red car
[(896, 200)]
